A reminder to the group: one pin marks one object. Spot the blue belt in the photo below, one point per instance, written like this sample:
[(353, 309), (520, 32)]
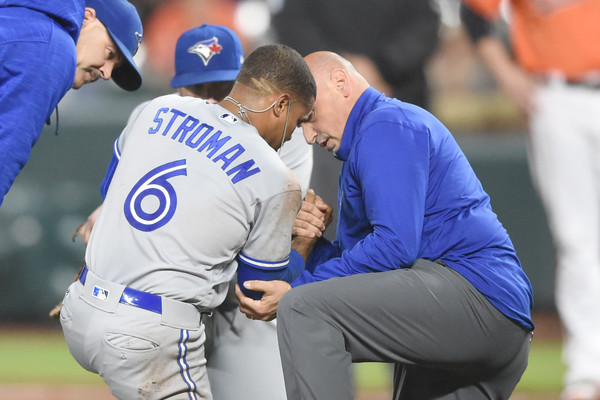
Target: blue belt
[(132, 297)]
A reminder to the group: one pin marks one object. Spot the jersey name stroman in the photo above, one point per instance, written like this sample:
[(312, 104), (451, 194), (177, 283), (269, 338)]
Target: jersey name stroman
[(204, 137), (193, 187)]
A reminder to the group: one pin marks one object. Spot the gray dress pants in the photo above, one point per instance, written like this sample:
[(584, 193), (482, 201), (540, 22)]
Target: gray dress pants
[(445, 338)]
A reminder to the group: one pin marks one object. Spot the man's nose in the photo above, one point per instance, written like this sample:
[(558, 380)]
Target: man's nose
[(107, 69), (310, 135)]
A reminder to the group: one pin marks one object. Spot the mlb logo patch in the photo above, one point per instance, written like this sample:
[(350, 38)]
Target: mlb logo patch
[(228, 118), (206, 49), (100, 293)]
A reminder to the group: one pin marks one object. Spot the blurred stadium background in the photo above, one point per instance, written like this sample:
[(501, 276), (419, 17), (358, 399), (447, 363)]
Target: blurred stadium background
[(59, 186)]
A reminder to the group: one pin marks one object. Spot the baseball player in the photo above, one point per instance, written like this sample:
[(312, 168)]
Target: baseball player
[(207, 60), (550, 68), (197, 193), (47, 47)]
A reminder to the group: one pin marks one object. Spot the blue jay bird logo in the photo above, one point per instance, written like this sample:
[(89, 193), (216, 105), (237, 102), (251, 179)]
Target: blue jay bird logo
[(206, 49), (138, 38)]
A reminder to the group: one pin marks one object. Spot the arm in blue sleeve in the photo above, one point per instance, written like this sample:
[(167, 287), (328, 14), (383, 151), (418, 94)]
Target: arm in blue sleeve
[(393, 179), (324, 250), (110, 171), (250, 269)]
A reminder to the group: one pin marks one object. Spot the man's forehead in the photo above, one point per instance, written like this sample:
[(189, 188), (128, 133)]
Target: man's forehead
[(306, 117)]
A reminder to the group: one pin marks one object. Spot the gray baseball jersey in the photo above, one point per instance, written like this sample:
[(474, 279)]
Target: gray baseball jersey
[(194, 187), (296, 154)]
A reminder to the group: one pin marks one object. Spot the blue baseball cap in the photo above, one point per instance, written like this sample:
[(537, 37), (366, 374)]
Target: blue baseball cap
[(124, 26), (209, 53)]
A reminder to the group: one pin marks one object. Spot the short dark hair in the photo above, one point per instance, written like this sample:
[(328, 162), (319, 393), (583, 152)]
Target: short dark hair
[(212, 90), (277, 67)]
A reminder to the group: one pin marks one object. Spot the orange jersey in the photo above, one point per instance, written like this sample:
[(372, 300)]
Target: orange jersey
[(551, 35)]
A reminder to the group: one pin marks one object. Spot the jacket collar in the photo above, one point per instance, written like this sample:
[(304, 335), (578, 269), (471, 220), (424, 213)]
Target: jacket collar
[(364, 104)]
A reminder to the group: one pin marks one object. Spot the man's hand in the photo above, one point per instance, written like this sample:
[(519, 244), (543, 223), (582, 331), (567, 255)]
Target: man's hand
[(264, 309), (314, 216), (514, 80), (85, 229)]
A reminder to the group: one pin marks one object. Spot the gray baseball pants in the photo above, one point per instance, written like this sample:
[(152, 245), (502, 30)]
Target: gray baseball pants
[(242, 355), (445, 338), (140, 354)]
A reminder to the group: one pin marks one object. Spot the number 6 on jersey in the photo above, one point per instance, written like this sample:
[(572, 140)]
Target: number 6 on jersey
[(154, 184)]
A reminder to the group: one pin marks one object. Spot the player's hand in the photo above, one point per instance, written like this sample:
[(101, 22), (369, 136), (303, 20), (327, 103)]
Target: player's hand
[(520, 87), (55, 312), (85, 229), (314, 216), (515, 81), (264, 309)]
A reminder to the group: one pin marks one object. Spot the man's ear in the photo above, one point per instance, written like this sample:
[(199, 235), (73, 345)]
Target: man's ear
[(89, 15), (280, 106), (340, 81)]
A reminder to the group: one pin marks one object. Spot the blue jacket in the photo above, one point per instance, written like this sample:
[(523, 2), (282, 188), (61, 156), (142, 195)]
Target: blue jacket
[(68, 13), (407, 191), (38, 54)]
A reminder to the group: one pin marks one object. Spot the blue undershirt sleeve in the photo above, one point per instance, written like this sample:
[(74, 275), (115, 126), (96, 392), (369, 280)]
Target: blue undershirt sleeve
[(253, 270), (324, 250)]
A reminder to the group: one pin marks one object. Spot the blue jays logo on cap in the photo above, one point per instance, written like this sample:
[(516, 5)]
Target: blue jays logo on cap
[(138, 37), (195, 61), (206, 49)]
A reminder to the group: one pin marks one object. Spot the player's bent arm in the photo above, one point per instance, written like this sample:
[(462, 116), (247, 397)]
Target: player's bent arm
[(266, 252), (250, 269), (513, 79)]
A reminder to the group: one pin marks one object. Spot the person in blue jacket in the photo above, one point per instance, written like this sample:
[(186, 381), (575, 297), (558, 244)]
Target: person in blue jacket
[(421, 274), (49, 46)]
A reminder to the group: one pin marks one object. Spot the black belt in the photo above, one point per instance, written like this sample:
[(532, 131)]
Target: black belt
[(132, 297)]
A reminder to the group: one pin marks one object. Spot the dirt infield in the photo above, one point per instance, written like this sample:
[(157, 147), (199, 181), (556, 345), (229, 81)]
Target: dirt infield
[(40, 392)]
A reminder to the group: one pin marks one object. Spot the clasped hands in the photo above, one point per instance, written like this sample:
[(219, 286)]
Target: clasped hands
[(312, 219)]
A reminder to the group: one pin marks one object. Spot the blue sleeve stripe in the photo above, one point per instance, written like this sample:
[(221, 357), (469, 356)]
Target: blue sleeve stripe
[(116, 148), (110, 171), (263, 264)]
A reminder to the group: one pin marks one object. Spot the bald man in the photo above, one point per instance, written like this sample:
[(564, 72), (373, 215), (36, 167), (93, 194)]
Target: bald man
[(426, 276)]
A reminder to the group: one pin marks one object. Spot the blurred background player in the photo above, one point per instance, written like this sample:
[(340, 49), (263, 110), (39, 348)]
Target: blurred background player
[(207, 61), (47, 47), (554, 77), (390, 42)]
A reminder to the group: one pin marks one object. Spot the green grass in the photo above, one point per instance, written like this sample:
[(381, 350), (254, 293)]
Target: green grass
[(545, 370), (40, 357), (543, 375), (43, 357)]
